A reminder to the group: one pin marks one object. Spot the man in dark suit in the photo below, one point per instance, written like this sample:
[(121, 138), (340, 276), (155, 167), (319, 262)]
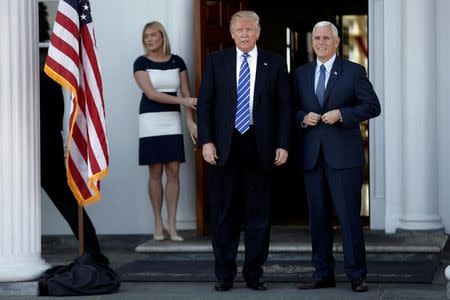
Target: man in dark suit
[(334, 96), (244, 129)]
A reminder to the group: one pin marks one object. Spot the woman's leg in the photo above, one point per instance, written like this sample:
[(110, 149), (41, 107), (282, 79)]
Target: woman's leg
[(172, 193), (155, 192)]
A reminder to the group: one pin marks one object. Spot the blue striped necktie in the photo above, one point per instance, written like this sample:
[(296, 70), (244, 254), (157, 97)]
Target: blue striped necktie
[(320, 89), (242, 121)]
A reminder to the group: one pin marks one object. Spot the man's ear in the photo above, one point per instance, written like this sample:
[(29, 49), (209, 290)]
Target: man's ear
[(337, 41)]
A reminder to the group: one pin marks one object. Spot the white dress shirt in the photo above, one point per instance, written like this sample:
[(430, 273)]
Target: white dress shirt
[(328, 65)]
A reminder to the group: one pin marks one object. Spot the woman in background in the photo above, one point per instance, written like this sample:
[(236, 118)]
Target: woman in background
[(161, 74)]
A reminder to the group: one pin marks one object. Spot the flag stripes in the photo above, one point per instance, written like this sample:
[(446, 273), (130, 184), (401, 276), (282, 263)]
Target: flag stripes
[(72, 61)]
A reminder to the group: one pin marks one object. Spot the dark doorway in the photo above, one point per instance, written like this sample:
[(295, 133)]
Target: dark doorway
[(286, 30)]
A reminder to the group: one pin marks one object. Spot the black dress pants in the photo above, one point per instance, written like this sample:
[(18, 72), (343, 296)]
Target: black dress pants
[(240, 195)]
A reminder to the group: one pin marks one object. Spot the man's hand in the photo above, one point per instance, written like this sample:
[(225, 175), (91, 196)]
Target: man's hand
[(209, 153), (192, 127), (190, 102), (281, 156), (331, 117), (311, 119)]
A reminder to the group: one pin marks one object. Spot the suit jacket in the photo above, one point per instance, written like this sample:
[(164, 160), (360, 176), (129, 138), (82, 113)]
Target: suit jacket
[(271, 105), (348, 90)]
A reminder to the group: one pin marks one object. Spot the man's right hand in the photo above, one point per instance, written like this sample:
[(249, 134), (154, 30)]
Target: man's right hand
[(311, 119), (209, 153), (190, 102)]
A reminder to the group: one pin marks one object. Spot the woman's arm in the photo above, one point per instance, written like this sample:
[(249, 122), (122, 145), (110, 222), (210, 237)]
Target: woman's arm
[(186, 92), (143, 81)]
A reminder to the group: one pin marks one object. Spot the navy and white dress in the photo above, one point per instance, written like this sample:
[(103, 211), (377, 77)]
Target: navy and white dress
[(160, 133)]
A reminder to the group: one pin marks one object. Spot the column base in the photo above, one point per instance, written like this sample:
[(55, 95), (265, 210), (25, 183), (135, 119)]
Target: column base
[(448, 290), (428, 222), (26, 288), (19, 268)]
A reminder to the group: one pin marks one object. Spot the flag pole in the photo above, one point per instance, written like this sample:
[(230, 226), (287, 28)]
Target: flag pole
[(80, 229)]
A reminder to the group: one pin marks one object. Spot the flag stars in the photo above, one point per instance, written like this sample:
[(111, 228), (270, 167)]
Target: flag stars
[(84, 11)]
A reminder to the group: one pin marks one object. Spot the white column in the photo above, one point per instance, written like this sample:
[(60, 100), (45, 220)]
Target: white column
[(20, 231), (443, 107), (385, 52), (443, 90), (377, 155), (419, 163), (180, 27)]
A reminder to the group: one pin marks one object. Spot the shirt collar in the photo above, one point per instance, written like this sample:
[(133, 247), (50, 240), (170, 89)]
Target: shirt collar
[(253, 53), (328, 64)]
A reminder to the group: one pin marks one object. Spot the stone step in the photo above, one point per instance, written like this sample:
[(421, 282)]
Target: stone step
[(282, 240)]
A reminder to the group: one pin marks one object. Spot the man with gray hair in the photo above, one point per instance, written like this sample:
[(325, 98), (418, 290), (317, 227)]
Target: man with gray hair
[(333, 96)]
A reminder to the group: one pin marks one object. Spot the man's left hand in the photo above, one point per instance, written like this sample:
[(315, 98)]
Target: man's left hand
[(331, 117), (281, 156)]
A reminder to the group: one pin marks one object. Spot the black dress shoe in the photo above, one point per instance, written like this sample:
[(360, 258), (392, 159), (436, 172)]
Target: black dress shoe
[(359, 285), (257, 285), (223, 285), (317, 283)]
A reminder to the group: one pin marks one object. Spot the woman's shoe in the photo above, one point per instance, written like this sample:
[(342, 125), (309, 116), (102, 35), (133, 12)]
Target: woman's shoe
[(165, 228), (159, 237), (173, 237), (176, 238)]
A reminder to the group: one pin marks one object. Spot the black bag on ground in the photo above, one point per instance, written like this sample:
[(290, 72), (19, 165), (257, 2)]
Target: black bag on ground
[(82, 277)]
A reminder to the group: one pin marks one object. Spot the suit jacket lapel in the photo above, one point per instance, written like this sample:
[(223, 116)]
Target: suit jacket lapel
[(230, 73), (311, 86), (336, 71), (262, 66)]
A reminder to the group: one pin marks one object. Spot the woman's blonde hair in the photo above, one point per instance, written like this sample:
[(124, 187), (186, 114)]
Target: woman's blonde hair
[(160, 28)]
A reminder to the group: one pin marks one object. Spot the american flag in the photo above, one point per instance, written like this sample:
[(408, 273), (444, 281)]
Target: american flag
[(72, 61)]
